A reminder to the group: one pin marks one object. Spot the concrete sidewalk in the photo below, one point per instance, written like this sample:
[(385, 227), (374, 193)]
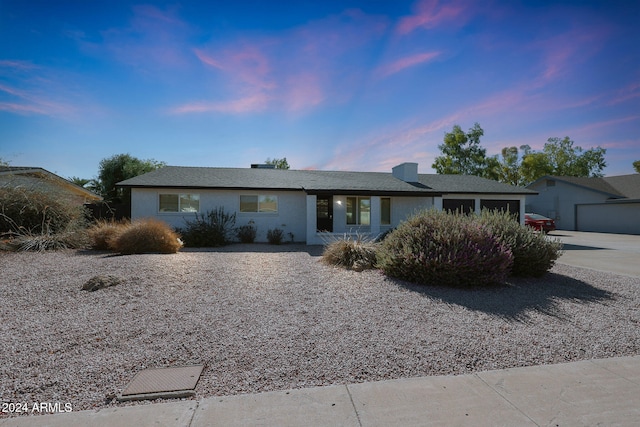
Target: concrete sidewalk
[(612, 253), (585, 393)]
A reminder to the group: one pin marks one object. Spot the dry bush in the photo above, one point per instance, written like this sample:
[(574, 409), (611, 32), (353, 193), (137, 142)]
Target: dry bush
[(147, 236), (105, 231), (37, 220), (34, 211), (357, 253), (71, 238)]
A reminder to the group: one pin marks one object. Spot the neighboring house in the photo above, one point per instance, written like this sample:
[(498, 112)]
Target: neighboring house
[(606, 205), (43, 180), (310, 204)]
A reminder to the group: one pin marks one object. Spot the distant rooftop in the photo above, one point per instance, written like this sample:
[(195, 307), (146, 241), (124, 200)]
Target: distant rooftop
[(616, 187)]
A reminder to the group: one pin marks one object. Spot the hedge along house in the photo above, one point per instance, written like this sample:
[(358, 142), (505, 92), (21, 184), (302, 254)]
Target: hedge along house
[(309, 205)]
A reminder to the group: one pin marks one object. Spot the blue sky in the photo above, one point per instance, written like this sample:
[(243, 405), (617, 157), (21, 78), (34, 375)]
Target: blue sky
[(333, 85)]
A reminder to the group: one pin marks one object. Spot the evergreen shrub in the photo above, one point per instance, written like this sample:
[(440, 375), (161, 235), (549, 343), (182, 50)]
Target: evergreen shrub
[(439, 248), (275, 236), (533, 253), (212, 229)]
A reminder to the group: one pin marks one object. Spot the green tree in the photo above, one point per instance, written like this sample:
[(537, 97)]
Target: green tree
[(533, 166), (118, 168), (462, 154), (279, 163), (636, 165), (560, 157), (509, 167), (80, 182)]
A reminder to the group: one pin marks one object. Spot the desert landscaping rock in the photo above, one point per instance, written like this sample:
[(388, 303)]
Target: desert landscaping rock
[(263, 318), (100, 282)]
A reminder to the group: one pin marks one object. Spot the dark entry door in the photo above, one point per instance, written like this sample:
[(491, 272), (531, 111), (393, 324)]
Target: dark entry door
[(324, 213)]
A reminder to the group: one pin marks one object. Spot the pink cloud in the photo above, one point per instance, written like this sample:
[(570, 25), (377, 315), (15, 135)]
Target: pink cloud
[(17, 65), (21, 108), (625, 94), (294, 70), (565, 53), (206, 59), (591, 127), (430, 14), (382, 149), (31, 102), (303, 91), (252, 103), (406, 62)]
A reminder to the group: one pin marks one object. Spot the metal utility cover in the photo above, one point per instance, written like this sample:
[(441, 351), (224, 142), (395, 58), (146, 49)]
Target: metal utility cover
[(162, 380)]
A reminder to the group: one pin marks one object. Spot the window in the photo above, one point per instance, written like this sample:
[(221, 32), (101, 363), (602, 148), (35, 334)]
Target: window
[(385, 211), (179, 203), (358, 210), (259, 203)]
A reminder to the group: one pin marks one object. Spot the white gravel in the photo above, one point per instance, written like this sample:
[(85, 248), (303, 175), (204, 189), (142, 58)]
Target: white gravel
[(265, 318)]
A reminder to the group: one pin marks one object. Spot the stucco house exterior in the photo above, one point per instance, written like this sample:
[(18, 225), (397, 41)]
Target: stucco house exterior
[(605, 205), (311, 204), (41, 179)]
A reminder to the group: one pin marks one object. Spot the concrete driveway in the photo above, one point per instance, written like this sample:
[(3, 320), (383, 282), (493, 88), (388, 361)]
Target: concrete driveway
[(615, 253)]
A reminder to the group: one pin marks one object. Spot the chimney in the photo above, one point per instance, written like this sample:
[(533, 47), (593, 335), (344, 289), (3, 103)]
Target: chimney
[(407, 172)]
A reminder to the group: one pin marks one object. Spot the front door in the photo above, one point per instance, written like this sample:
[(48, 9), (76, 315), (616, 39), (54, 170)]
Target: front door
[(324, 213)]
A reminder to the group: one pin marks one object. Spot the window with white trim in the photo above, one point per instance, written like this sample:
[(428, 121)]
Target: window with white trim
[(358, 211), (183, 202), (259, 203)]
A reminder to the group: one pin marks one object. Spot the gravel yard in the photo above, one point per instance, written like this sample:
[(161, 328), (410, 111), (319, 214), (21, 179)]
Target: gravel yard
[(264, 318)]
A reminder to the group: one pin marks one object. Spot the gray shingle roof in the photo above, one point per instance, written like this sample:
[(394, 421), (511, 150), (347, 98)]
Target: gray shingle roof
[(622, 186), (27, 176), (314, 181), (627, 185)]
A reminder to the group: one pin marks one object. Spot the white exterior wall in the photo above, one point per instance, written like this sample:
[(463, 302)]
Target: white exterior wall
[(558, 202), (401, 208), (290, 217), (296, 211)]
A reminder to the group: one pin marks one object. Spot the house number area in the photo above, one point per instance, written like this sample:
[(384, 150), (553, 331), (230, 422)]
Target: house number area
[(37, 407)]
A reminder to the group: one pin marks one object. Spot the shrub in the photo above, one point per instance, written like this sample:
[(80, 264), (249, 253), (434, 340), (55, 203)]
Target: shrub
[(37, 212), (246, 233), (439, 248), (383, 235), (27, 241), (33, 220), (275, 236), (533, 253), (214, 228), (104, 231), (146, 236), (357, 254)]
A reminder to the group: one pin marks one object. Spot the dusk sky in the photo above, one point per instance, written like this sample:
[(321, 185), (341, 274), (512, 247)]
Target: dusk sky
[(332, 85)]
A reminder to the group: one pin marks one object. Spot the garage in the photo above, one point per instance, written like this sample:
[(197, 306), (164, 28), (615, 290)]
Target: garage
[(467, 206), (612, 217), (511, 206)]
